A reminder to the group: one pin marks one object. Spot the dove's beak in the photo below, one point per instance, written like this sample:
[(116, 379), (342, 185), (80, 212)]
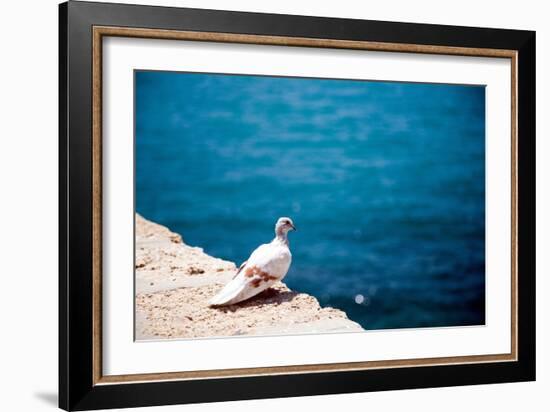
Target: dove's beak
[(293, 227)]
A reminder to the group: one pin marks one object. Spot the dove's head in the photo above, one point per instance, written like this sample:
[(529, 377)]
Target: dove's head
[(283, 225)]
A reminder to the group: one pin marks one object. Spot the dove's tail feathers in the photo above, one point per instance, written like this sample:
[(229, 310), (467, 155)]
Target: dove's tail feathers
[(228, 295)]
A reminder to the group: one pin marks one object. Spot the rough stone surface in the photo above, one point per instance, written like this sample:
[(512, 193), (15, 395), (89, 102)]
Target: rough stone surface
[(174, 282)]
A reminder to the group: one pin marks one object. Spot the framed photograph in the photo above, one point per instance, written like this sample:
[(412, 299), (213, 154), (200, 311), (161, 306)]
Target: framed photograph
[(256, 205)]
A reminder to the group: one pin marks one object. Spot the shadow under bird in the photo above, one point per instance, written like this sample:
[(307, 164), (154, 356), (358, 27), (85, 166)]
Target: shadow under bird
[(268, 264)]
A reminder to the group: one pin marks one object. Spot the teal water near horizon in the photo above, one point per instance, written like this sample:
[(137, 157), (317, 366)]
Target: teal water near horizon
[(384, 180)]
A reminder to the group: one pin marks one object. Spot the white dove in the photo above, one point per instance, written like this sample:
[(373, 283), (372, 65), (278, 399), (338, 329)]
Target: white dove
[(268, 264)]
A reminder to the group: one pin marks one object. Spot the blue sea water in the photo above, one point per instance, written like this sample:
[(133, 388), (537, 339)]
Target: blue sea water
[(385, 182)]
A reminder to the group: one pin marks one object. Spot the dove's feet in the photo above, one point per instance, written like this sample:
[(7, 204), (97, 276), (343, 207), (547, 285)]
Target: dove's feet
[(268, 293)]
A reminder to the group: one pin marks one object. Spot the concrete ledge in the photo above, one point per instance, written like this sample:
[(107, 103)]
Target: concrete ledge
[(174, 282)]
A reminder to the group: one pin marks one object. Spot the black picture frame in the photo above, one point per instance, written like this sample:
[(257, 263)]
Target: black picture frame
[(77, 390)]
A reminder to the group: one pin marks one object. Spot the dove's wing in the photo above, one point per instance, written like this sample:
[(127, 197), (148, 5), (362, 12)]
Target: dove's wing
[(265, 266), (240, 269)]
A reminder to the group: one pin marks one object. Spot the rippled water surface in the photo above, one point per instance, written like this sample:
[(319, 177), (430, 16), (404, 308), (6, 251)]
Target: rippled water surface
[(385, 182)]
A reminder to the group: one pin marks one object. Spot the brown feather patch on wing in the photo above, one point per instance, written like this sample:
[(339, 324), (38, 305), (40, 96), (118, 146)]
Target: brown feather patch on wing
[(258, 275)]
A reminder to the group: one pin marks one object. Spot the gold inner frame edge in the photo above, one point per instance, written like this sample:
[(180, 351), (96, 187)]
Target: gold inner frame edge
[(98, 32)]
